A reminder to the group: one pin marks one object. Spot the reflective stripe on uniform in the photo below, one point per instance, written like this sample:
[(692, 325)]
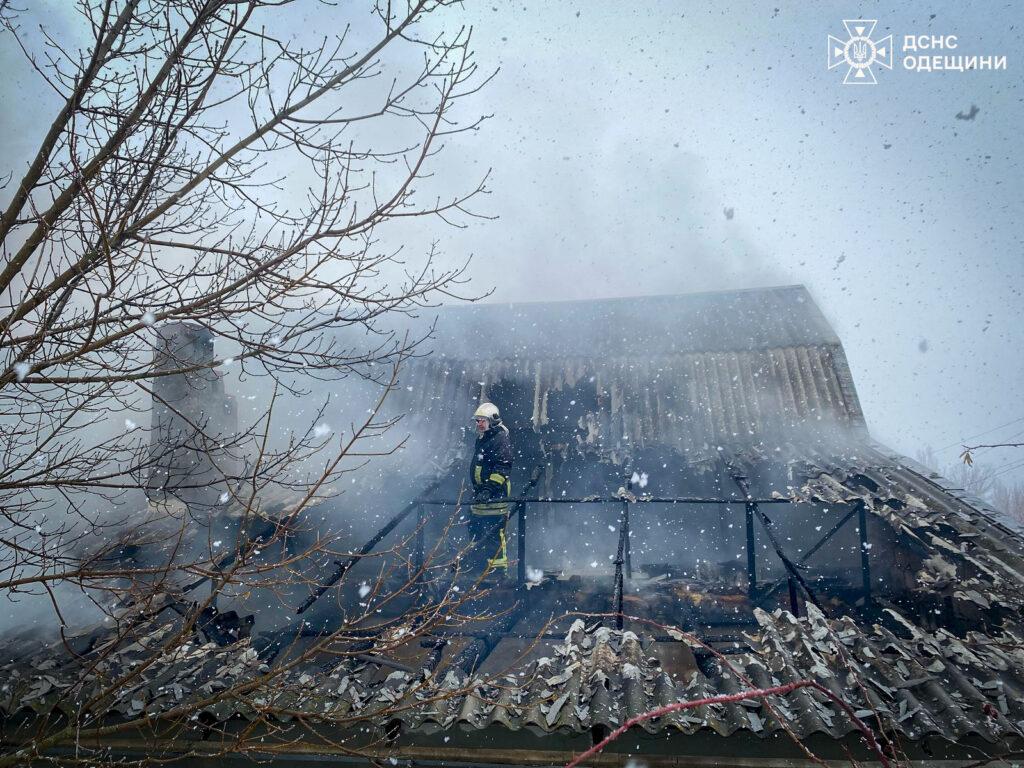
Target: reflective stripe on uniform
[(500, 560), (486, 510), (496, 507)]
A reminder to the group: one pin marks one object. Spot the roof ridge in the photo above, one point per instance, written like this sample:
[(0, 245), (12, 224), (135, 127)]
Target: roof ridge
[(609, 299)]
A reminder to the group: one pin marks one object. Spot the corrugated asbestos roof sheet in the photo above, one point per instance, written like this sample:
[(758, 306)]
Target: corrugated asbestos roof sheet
[(758, 318), (692, 372), (918, 685), (921, 686), (694, 402)]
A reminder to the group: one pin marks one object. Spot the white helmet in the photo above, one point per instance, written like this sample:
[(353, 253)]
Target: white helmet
[(488, 411)]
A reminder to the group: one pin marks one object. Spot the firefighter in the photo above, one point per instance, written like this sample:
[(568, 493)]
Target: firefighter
[(489, 473)]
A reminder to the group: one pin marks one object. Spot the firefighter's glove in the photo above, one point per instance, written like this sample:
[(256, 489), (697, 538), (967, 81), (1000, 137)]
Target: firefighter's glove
[(494, 488)]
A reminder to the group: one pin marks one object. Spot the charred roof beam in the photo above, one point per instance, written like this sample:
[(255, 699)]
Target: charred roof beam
[(344, 565), (794, 570), (774, 588), (520, 509)]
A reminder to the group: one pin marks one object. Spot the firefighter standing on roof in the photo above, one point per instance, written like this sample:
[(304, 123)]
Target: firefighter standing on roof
[(489, 473)]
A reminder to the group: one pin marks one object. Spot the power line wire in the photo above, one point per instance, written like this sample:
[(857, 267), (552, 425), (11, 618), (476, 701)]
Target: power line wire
[(980, 434), (1012, 466)]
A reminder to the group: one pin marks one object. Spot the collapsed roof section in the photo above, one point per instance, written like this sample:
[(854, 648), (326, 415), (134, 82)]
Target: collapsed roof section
[(954, 565)]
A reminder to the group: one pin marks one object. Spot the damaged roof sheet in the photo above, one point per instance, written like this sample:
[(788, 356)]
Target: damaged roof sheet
[(968, 552), (906, 678), (691, 372), (929, 684), (917, 685), (693, 402)]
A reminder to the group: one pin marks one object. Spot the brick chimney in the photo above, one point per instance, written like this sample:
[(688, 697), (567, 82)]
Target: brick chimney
[(193, 420)]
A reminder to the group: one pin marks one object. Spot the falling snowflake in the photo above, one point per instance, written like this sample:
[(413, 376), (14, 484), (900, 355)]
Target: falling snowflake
[(21, 370), (130, 425), (321, 430), (148, 318), (364, 589)]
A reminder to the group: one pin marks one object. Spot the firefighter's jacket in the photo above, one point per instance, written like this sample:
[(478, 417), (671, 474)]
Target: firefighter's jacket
[(489, 471)]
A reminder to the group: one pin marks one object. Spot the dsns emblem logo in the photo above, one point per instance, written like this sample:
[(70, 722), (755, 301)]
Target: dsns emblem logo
[(859, 52)]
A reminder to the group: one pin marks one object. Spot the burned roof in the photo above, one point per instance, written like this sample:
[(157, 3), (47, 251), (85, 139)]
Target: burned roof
[(693, 403), (692, 373), (968, 558), (925, 641), (933, 685)]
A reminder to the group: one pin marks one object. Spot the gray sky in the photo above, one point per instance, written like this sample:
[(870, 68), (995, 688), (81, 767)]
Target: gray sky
[(621, 132)]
